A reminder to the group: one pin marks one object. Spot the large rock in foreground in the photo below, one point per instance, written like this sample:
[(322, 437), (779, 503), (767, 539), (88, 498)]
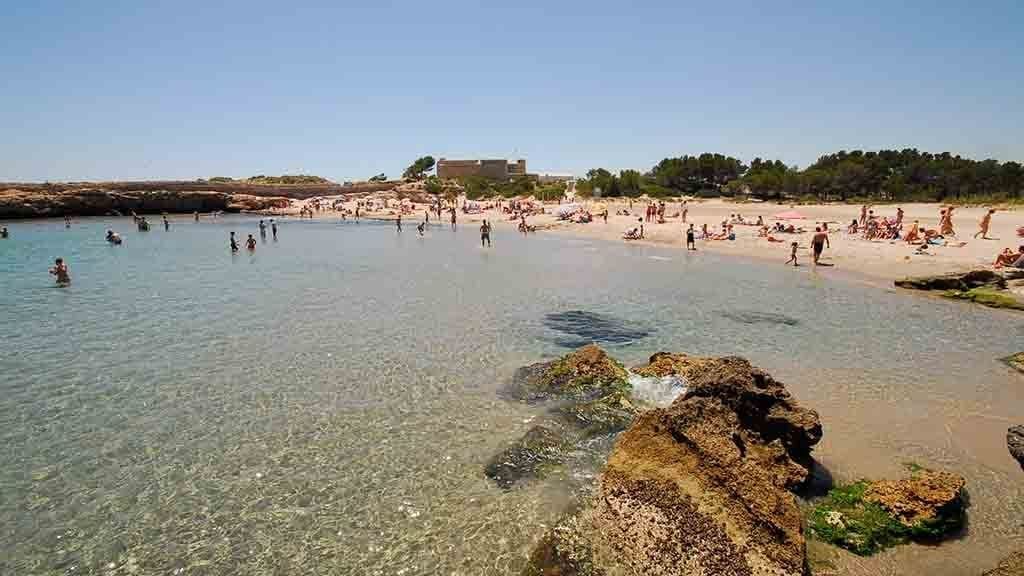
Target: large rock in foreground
[(703, 486), (1015, 442)]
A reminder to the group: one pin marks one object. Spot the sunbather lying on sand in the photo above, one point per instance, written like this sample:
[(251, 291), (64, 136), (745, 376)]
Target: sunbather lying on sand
[(1010, 258)]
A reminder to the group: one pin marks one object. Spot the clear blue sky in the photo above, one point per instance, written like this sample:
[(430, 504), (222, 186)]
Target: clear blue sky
[(177, 89)]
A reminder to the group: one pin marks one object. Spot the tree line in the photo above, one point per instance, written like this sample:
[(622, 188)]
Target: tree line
[(886, 175)]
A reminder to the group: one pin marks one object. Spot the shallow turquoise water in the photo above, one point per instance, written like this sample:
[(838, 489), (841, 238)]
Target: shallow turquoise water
[(327, 403)]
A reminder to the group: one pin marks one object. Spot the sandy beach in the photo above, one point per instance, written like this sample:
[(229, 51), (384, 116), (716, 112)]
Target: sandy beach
[(878, 261)]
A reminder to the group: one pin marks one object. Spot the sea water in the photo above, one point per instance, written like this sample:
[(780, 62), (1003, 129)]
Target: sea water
[(326, 403)]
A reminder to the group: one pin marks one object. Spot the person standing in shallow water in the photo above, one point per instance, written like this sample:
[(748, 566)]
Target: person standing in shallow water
[(60, 270), (819, 242), (234, 243), (453, 218), (167, 225), (485, 234), (250, 243), (691, 242), (398, 222), (273, 228)]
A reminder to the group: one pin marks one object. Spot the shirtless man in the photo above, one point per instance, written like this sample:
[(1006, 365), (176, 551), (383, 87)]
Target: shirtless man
[(819, 242), (399, 222), (234, 244), (60, 270), (250, 243), (986, 221), (420, 228), (485, 234), (273, 228), (691, 242), (914, 234)]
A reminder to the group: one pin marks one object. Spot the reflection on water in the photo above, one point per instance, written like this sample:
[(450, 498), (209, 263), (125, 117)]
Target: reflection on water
[(327, 403)]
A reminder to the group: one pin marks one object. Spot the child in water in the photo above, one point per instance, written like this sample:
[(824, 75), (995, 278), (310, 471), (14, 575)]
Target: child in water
[(792, 255), (60, 270), (250, 243)]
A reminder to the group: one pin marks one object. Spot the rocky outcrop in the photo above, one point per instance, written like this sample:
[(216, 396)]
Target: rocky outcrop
[(586, 373), (956, 281), (663, 364), (924, 498), (102, 202), (984, 287), (589, 394), (1012, 565), (1015, 442), (1015, 361), (866, 517), (703, 486), (249, 203)]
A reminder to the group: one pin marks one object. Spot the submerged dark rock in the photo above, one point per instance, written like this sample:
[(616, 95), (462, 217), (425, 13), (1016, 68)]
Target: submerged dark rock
[(757, 317), (585, 373), (590, 395), (584, 328), (1015, 442), (703, 486), (527, 457)]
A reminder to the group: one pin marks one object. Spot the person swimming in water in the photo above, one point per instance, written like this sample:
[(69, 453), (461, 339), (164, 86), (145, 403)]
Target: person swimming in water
[(60, 270), (234, 243), (113, 237), (250, 243)]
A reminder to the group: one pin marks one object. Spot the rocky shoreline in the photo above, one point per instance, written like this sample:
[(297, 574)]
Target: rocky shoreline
[(714, 483), (22, 200)]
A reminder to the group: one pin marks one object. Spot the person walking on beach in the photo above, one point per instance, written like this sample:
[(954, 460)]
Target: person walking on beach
[(273, 228), (60, 270), (691, 242), (946, 222), (399, 222), (899, 217), (642, 225), (250, 243), (485, 234), (986, 221), (234, 244), (792, 255), (819, 242)]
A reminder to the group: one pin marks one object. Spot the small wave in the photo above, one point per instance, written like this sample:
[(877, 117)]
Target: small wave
[(660, 391), (659, 258)]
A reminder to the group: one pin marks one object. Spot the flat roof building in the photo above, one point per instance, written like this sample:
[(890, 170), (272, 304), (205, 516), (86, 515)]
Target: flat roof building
[(495, 169)]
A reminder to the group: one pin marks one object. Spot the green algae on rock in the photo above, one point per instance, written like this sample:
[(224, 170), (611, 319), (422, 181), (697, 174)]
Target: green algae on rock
[(585, 372), (1015, 361), (986, 296), (865, 517), (529, 456)]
